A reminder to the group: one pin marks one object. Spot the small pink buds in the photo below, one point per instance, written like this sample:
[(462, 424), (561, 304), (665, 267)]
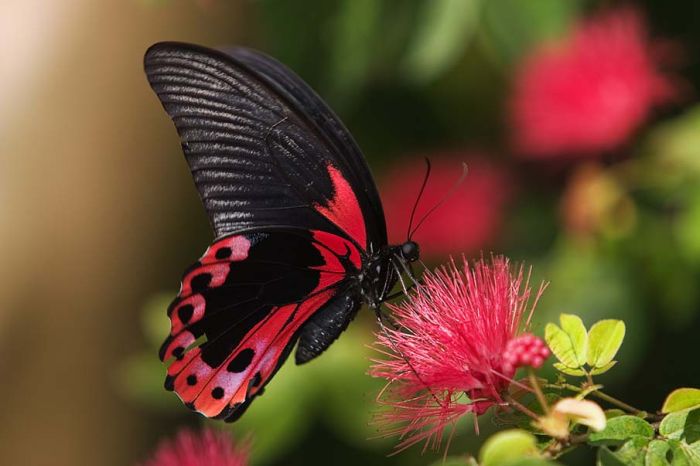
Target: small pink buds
[(525, 350)]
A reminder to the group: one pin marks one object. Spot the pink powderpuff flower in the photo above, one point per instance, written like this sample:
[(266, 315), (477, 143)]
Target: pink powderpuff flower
[(207, 448), (590, 92), (468, 220), (452, 350)]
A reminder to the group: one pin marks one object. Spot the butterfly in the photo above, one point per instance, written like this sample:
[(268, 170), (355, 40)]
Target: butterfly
[(301, 241)]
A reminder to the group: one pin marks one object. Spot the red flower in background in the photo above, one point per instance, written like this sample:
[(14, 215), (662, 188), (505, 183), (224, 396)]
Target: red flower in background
[(465, 223), (206, 448), (590, 92), (458, 334)]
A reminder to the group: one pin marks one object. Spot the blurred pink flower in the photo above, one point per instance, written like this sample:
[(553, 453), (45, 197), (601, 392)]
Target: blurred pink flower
[(590, 92), (207, 448), (468, 221), (453, 338)]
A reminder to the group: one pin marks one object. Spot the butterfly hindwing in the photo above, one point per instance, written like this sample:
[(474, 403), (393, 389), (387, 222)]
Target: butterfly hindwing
[(243, 305), (262, 147)]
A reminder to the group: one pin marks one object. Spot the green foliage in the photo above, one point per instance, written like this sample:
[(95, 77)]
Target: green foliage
[(680, 399), (657, 451), (357, 28), (631, 453), (508, 446), (677, 441), (682, 425), (620, 429), (574, 347), (604, 340), (441, 37), (568, 343)]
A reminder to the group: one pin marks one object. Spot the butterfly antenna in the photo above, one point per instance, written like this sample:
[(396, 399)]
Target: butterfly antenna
[(449, 194), (420, 194)]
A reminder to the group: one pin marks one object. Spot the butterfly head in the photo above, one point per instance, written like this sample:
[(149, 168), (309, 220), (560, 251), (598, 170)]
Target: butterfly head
[(410, 252)]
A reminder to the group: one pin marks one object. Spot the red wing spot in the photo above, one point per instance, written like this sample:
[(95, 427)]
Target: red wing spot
[(206, 276), (233, 248), (217, 393), (343, 209), (196, 303), (182, 341), (191, 380)]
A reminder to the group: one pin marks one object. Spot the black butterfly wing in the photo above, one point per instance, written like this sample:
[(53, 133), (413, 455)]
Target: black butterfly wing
[(295, 211), (243, 305), (263, 148)]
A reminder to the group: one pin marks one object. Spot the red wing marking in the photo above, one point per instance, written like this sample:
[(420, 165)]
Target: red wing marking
[(343, 209), (339, 246), (230, 384), (192, 308), (214, 388), (232, 248)]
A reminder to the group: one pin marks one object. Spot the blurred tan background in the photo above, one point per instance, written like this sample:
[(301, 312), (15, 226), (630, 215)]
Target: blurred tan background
[(86, 192)]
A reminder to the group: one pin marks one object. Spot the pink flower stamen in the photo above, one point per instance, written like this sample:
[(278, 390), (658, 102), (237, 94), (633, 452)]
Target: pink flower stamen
[(453, 350)]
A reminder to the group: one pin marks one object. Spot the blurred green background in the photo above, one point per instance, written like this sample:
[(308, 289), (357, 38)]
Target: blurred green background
[(100, 216)]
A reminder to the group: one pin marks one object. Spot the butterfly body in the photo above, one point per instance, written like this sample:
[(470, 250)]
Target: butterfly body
[(301, 237)]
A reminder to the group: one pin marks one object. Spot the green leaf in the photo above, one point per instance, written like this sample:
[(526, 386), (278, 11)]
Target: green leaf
[(441, 37), (656, 453), (682, 398), (685, 454), (507, 446), (634, 451), (604, 369), (620, 429), (604, 340), (569, 371), (568, 343), (611, 413), (608, 458), (682, 425)]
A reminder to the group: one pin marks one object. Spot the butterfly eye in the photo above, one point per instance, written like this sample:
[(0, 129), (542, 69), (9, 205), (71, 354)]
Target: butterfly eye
[(410, 251)]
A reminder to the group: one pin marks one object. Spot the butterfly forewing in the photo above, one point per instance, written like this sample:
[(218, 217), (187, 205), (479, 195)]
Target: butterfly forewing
[(262, 147)]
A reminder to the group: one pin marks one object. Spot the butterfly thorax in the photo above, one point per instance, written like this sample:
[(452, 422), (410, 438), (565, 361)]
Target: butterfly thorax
[(383, 269)]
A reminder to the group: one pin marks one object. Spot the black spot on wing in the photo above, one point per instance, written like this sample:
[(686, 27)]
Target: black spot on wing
[(200, 282), (185, 313), (218, 393), (241, 361)]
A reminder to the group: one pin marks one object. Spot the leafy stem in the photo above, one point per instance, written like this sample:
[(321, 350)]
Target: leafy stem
[(594, 390)]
